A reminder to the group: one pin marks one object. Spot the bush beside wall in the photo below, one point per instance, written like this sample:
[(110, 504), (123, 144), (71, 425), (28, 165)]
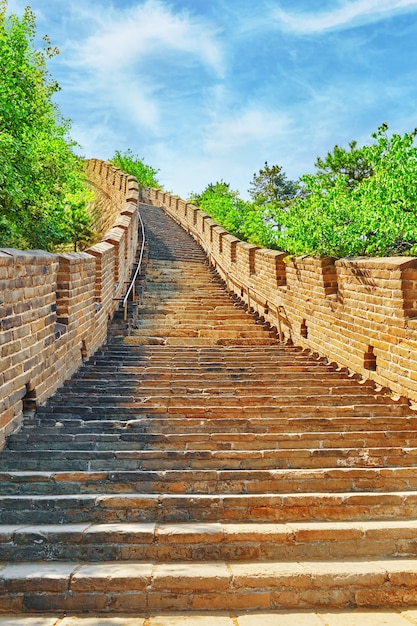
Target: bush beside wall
[(55, 308)]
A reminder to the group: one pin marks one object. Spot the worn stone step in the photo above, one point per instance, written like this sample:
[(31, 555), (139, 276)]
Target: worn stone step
[(293, 541), (140, 364), (110, 586), (204, 438), (268, 418), (199, 333), (222, 432), (147, 507), (87, 458), (136, 372), (205, 481), (119, 387), (202, 341), (299, 447)]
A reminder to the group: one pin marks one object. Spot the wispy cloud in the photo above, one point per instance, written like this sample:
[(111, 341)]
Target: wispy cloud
[(347, 15), (211, 89), (240, 129), (144, 31), (134, 59)]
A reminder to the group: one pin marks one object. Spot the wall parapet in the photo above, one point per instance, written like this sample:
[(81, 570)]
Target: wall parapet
[(360, 313), (55, 308)]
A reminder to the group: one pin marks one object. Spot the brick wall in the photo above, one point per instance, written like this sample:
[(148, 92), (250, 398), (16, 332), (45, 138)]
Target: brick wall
[(54, 308), (360, 313)]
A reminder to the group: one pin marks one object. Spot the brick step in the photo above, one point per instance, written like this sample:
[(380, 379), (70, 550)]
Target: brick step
[(197, 406), (199, 341), (126, 439), (203, 481), (288, 375), (142, 430), (209, 323), (199, 333), (181, 301), (233, 542), (127, 385), (181, 357), (281, 414), (290, 427), (267, 356), (149, 313), (118, 390), (198, 330), (146, 507), (261, 356), (111, 587), (141, 456), (200, 283), (254, 355), (192, 311), (154, 375)]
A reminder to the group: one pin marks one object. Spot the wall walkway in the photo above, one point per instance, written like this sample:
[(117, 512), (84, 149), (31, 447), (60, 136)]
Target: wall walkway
[(54, 308)]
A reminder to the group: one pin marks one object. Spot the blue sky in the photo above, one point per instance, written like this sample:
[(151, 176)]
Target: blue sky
[(211, 89)]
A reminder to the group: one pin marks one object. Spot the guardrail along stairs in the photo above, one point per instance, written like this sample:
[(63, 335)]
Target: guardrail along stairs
[(199, 464)]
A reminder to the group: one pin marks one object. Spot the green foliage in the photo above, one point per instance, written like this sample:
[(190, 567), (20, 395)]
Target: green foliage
[(360, 202), (78, 224), (272, 187), (353, 165), (240, 218), (135, 166), (272, 192), (371, 214), (40, 177)]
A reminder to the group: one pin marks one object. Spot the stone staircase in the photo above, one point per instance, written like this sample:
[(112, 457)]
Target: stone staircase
[(199, 464)]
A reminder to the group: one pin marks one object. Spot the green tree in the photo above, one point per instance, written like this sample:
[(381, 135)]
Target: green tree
[(353, 165), (40, 176), (272, 192), (271, 186), (135, 166), (241, 218), (374, 215)]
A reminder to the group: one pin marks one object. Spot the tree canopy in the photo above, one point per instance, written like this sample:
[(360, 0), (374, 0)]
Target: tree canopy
[(362, 202), (241, 218), (272, 187), (42, 192)]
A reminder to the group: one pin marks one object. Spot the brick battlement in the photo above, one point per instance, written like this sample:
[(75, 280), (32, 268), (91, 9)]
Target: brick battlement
[(359, 312), (54, 308)]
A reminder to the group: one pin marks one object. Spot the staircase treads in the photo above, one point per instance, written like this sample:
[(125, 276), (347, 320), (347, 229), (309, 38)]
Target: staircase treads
[(125, 507), (196, 541), (110, 586), (193, 481)]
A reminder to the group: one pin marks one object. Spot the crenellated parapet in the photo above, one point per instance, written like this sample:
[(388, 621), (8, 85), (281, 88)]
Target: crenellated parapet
[(55, 308), (359, 312)]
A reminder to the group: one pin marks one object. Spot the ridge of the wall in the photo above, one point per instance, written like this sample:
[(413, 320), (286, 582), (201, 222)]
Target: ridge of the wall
[(358, 312), (55, 308)]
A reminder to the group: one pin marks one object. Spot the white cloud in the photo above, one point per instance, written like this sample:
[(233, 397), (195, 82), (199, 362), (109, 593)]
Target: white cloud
[(133, 60), (240, 130), (147, 30), (348, 14)]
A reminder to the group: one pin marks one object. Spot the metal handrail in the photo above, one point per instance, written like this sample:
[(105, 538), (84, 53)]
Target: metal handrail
[(240, 284), (131, 287)]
